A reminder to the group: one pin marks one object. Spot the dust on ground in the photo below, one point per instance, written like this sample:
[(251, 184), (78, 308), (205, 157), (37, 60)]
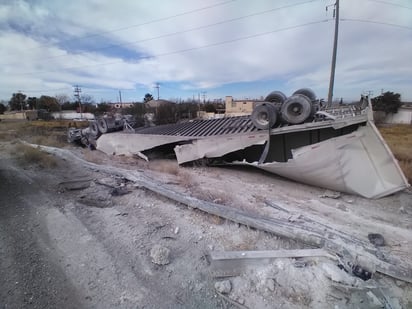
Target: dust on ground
[(71, 237)]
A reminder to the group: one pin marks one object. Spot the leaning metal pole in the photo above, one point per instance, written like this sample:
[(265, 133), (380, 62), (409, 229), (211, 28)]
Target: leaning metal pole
[(335, 47)]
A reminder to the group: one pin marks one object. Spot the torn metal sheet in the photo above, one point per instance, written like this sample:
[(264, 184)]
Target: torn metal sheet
[(217, 146), (129, 144), (357, 163)]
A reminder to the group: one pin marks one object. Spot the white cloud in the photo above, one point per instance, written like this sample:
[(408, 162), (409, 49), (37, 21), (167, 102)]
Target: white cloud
[(48, 46)]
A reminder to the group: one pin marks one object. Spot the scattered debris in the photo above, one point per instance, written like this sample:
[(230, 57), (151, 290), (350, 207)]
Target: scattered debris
[(317, 234), (361, 272), (341, 206), (120, 191), (160, 255), (376, 239), (233, 263), (336, 274), (176, 231), (123, 214), (237, 304), (276, 206), (270, 284), (96, 198), (75, 184), (223, 287), (374, 300), (330, 194), (402, 210)]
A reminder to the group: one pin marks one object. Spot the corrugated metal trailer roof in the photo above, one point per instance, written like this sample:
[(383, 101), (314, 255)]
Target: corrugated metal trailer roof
[(201, 128)]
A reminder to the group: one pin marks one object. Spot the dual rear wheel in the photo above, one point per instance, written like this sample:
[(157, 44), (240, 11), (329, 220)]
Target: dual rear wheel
[(293, 110)]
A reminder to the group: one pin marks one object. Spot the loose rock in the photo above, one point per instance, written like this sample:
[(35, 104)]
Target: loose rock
[(160, 255), (223, 287), (376, 239), (270, 284)]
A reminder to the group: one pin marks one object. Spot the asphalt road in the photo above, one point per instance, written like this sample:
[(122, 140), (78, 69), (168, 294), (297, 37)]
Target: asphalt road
[(30, 277)]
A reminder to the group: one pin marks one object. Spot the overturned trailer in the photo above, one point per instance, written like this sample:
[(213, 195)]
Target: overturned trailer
[(339, 149)]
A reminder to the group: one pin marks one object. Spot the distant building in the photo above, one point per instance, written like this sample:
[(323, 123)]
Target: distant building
[(157, 103), (123, 105), (72, 115), (239, 107), (403, 116)]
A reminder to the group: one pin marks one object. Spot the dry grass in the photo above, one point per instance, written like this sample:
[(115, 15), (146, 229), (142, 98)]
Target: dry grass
[(28, 155), (48, 133), (164, 166), (186, 180), (219, 197), (399, 139)]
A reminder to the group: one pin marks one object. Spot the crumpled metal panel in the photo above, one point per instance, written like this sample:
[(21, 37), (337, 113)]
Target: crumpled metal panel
[(217, 146), (129, 144), (357, 163)]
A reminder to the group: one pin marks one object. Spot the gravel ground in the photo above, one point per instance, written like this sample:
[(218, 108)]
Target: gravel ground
[(95, 247)]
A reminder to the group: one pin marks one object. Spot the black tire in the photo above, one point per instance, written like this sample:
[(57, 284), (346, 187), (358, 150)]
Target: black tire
[(94, 128), (296, 109), (102, 125), (264, 116), (276, 96), (306, 92)]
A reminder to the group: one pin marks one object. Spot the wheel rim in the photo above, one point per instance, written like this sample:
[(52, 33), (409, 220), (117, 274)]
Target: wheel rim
[(295, 109), (263, 118)]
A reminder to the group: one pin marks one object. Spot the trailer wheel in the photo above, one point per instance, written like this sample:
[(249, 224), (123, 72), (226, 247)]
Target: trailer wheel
[(94, 128), (306, 92), (296, 109), (102, 125), (264, 116), (276, 96)]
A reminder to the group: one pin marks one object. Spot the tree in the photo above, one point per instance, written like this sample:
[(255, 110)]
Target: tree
[(2, 108), (147, 97), (69, 106), (17, 101), (62, 99), (87, 99), (138, 110), (32, 102), (48, 103), (166, 113), (387, 102), (210, 108), (103, 108)]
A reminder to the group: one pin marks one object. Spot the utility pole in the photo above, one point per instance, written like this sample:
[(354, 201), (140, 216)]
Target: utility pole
[(204, 96), (20, 102), (157, 87), (369, 93), (77, 91), (335, 47), (120, 98)]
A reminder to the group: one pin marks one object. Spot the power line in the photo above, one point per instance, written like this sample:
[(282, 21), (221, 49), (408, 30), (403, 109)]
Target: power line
[(189, 30), (50, 90), (375, 22), (187, 49), (391, 3), (142, 24)]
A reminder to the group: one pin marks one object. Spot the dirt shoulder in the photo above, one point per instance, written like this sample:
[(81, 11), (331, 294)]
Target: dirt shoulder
[(93, 247)]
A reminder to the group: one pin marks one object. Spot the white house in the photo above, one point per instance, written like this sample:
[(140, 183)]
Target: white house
[(403, 116)]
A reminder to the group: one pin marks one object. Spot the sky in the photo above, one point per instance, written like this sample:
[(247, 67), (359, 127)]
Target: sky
[(203, 48)]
